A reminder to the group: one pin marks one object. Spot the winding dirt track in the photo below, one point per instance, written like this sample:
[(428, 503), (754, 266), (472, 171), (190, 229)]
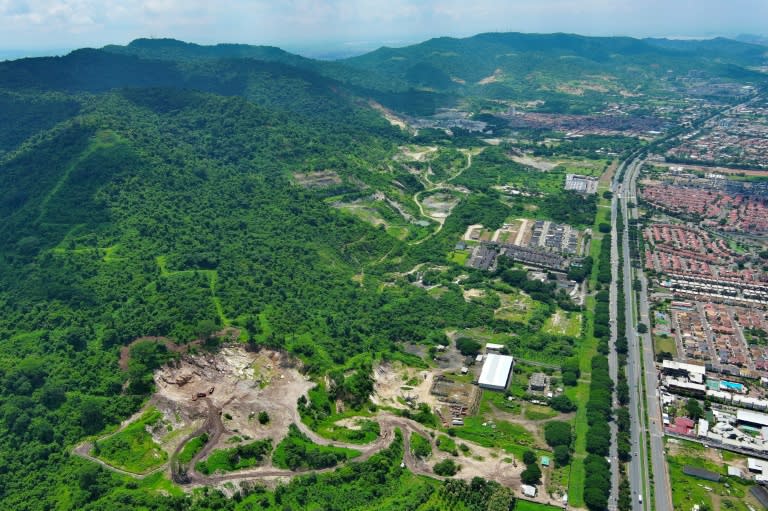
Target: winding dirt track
[(214, 427)]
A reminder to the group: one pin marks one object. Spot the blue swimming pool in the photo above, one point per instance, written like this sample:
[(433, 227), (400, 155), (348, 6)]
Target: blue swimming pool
[(732, 386)]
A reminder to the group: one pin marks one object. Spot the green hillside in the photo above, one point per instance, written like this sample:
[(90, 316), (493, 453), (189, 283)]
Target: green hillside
[(173, 213)]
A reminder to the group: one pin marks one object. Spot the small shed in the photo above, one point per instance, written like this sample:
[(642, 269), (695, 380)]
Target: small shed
[(528, 490), (545, 461)]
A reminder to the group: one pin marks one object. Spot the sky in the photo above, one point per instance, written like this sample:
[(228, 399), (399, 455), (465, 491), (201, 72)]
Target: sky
[(317, 26)]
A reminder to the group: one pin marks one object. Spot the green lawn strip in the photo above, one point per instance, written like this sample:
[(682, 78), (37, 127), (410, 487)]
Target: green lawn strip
[(580, 393), (133, 449), (235, 458), (213, 277), (296, 451)]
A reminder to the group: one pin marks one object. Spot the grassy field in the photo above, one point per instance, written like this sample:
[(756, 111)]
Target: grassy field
[(664, 344), (516, 307), (446, 444), (512, 438), (133, 449), (527, 505), (563, 323), (730, 493), (499, 400), (539, 413), (459, 257)]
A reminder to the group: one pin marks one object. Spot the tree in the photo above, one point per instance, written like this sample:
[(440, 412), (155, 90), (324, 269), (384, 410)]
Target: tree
[(604, 227), (263, 417), (501, 500), (557, 433), (467, 346), (91, 416), (599, 438), (693, 408), (562, 455), (529, 457), (596, 499), (562, 403), (447, 467), (642, 328), (531, 474)]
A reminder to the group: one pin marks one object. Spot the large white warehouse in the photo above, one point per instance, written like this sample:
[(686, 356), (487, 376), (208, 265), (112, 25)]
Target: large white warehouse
[(496, 372)]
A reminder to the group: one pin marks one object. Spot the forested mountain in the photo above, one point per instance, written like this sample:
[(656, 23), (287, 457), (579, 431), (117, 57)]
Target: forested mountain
[(132, 211), (499, 65), (272, 84), (441, 72)]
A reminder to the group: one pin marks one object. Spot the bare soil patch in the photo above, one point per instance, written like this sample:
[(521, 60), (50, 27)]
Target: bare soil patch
[(243, 383), (320, 179)]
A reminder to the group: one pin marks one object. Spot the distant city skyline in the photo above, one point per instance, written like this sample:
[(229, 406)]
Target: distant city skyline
[(328, 27)]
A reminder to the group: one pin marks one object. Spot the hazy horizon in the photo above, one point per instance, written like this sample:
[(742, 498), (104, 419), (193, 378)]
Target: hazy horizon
[(327, 27)]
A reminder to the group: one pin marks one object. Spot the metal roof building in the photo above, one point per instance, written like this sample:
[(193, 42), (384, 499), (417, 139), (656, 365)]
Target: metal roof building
[(750, 417), (496, 372)]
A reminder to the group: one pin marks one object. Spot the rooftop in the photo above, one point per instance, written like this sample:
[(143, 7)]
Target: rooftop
[(750, 416), (496, 371)]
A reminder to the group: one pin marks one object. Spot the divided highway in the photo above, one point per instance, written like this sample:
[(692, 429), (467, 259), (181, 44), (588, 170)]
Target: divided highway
[(641, 369)]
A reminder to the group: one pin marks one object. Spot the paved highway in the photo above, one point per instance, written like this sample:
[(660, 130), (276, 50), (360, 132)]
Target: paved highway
[(641, 366)]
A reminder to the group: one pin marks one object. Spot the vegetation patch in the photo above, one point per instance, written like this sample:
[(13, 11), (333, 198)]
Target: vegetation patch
[(420, 446), (192, 447), (296, 451), (236, 458), (504, 435), (133, 449), (563, 323), (688, 491)]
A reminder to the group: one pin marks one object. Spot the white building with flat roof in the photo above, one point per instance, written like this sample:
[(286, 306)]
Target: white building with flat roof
[(695, 373), (753, 418), (497, 371)]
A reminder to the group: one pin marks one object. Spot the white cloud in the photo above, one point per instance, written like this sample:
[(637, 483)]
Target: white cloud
[(59, 23)]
